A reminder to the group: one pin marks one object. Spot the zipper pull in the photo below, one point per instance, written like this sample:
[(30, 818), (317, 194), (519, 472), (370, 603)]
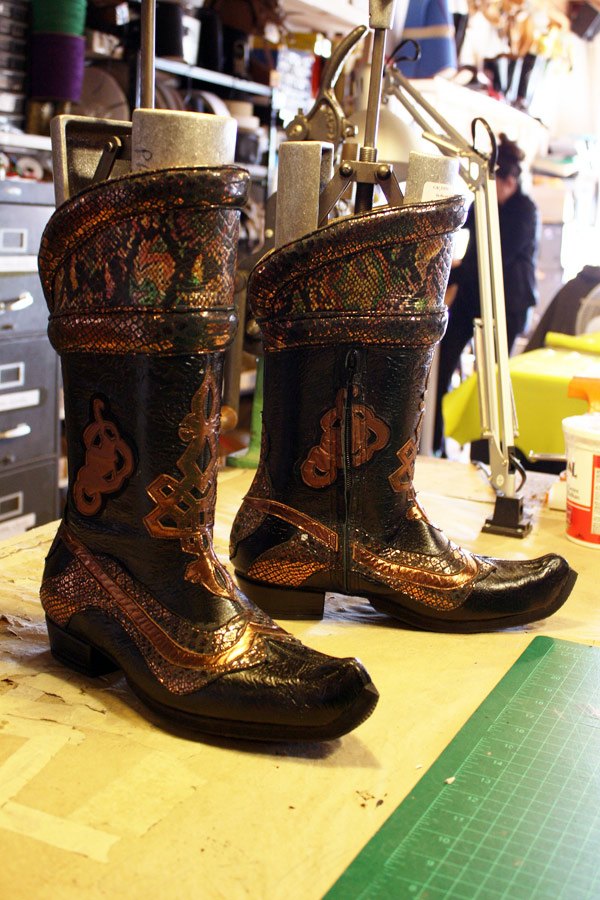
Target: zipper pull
[(351, 363)]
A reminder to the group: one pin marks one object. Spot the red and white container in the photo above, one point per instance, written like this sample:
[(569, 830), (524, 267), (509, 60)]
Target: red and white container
[(582, 445)]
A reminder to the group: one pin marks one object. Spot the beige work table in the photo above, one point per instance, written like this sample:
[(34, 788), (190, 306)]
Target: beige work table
[(97, 801)]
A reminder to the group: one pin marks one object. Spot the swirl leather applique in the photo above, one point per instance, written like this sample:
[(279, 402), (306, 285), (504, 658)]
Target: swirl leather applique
[(401, 479), (184, 508), (108, 462), (369, 434)]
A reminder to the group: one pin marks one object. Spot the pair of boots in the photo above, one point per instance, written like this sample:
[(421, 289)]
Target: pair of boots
[(138, 274)]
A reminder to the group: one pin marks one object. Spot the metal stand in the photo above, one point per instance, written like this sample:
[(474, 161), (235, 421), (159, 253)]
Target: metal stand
[(498, 417)]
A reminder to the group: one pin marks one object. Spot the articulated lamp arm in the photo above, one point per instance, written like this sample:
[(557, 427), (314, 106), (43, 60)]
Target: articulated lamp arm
[(498, 418)]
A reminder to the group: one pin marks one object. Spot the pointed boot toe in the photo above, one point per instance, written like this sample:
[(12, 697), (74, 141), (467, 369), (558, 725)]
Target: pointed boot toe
[(284, 692), (297, 695), (515, 593)]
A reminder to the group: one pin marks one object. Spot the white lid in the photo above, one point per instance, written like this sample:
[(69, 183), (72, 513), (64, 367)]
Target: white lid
[(586, 427)]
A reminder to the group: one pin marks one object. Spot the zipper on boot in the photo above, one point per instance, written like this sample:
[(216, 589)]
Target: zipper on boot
[(351, 365)]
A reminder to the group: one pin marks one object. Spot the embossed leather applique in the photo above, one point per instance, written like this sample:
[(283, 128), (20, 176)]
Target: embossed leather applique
[(442, 582), (292, 562), (298, 519), (184, 508), (109, 461), (369, 434), (402, 478)]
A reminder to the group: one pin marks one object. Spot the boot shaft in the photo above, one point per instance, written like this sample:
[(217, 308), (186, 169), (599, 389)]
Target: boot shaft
[(138, 274), (342, 428), (350, 317)]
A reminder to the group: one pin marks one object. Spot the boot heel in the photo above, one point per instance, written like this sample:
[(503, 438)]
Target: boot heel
[(76, 653), (283, 603)]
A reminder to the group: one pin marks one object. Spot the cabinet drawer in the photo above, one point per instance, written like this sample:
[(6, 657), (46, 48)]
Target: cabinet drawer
[(21, 227), (28, 401), (22, 305), (28, 497)]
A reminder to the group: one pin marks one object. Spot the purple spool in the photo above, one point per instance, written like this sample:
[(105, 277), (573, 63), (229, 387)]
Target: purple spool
[(57, 62)]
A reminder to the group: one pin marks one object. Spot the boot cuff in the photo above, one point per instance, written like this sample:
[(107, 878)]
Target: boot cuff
[(145, 263), (369, 278)]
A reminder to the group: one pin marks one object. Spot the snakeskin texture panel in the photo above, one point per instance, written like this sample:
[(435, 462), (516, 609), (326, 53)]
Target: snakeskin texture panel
[(291, 563), (442, 582), (124, 261), (366, 278)]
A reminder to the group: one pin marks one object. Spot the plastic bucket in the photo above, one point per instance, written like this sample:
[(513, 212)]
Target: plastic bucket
[(582, 445)]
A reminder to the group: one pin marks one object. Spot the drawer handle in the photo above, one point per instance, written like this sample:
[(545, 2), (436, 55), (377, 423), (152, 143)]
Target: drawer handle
[(16, 432), (21, 302)]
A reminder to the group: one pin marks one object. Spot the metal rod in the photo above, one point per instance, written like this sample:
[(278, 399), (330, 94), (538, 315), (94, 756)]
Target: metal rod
[(499, 309), (368, 152), (147, 48), (375, 81), (431, 110)]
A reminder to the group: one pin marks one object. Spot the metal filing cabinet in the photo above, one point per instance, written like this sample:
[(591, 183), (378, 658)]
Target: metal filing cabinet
[(29, 372)]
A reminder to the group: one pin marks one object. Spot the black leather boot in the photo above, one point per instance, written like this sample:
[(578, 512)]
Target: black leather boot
[(138, 273), (350, 316)]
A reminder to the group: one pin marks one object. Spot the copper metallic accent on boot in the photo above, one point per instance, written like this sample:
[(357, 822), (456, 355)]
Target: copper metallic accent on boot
[(369, 434), (121, 331), (443, 582), (182, 656), (184, 509), (108, 462), (401, 480), (320, 532)]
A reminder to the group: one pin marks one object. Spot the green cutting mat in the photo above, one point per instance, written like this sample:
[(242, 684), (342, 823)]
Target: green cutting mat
[(521, 820)]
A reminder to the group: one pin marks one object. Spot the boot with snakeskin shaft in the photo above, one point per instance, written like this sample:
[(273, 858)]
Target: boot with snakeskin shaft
[(350, 316), (138, 274)]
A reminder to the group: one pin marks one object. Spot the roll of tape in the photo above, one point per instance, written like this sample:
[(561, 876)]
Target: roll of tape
[(214, 103), (29, 167)]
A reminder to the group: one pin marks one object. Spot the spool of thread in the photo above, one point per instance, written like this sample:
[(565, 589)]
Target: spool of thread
[(164, 139), (430, 177), (29, 167), (49, 80), (169, 30), (59, 16)]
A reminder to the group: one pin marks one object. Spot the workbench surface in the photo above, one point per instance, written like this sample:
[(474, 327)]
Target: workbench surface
[(97, 801)]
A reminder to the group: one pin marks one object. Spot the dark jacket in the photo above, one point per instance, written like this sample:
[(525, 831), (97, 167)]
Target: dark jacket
[(519, 238)]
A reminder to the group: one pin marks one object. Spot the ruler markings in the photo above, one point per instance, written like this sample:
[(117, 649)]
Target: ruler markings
[(520, 797)]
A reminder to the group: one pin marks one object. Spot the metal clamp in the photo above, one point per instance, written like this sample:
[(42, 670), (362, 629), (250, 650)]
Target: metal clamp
[(361, 172), (326, 121)]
